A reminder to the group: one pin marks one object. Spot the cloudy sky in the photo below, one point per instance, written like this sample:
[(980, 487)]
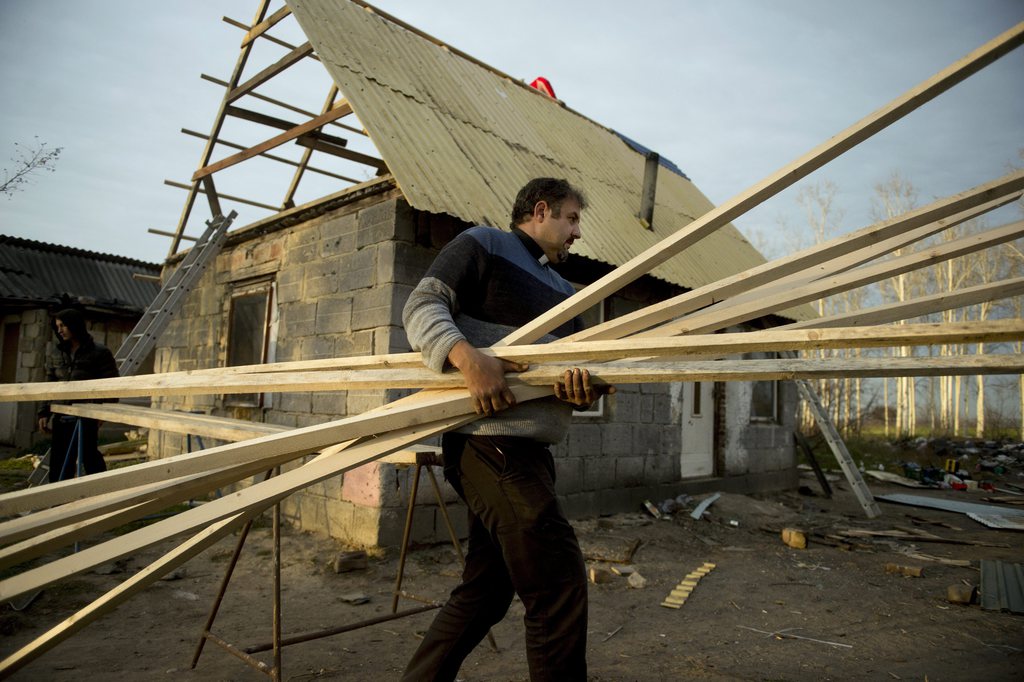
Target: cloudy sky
[(730, 90)]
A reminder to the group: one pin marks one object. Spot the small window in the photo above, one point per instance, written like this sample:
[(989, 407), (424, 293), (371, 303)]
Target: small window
[(696, 411), (764, 399), (248, 335)]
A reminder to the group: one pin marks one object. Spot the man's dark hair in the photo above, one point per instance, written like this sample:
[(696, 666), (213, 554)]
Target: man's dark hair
[(553, 191)]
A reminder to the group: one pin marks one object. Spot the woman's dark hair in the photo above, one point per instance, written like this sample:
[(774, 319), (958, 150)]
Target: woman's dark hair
[(74, 320), (552, 191)]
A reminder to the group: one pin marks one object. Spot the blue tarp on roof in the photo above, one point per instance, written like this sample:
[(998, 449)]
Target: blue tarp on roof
[(662, 161)]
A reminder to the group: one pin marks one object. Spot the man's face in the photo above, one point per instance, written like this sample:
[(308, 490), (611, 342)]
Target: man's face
[(556, 234)]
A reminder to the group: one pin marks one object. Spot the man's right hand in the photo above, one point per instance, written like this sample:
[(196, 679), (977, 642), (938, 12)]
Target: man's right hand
[(485, 377)]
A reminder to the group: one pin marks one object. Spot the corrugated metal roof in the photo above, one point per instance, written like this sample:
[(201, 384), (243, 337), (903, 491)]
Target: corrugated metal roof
[(36, 272), (462, 139)]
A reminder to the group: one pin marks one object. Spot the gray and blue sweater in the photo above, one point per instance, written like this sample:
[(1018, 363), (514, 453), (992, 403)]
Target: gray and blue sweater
[(483, 285)]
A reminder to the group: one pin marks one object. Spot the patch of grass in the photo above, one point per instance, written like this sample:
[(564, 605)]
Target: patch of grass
[(16, 464)]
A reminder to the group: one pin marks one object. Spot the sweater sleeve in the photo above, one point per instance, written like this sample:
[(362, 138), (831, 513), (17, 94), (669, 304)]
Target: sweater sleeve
[(429, 314)]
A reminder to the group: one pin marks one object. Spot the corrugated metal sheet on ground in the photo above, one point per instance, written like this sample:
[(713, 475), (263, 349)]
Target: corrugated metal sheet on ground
[(999, 520), (460, 139), (983, 510), (1002, 586)]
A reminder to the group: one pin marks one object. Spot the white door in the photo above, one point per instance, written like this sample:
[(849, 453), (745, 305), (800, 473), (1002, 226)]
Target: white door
[(698, 430)]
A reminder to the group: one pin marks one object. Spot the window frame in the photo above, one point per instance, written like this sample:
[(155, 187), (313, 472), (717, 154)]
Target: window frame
[(266, 289)]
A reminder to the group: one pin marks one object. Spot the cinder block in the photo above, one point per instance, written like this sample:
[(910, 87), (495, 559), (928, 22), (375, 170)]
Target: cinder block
[(338, 234), (374, 308), (376, 223), (354, 344), (662, 413), (661, 468), (629, 472), (357, 270), (646, 439), (317, 347), (331, 404), (360, 401), (297, 319), (598, 473), (627, 407), (617, 439), (584, 440), (333, 314), (405, 222), (568, 474), (408, 263), (580, 504), (646, 408), (293, 402)]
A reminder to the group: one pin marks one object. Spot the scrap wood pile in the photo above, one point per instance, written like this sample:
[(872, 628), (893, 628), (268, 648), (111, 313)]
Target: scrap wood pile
[(671, 341)]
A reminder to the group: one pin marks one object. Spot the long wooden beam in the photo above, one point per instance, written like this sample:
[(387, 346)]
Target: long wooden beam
[(254, 498), (273, 142), (154, 496), (265, 25), (918, 307), (828, 258), (427, 407), (207, 426), (770, 186), (761, 301), (406, 370), (203, 539), (281, 124), (293, 57)]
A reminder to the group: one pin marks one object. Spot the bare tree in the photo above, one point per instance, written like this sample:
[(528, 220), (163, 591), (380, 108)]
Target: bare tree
[(894, 197), (27, 160)]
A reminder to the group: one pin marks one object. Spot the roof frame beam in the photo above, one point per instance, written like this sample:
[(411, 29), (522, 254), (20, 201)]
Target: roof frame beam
[(291, 59), (265, 25), (281, 124), (344, 109)]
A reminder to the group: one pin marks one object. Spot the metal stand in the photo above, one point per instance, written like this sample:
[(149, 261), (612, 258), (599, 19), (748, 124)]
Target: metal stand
[(426, 460), (273, 670)]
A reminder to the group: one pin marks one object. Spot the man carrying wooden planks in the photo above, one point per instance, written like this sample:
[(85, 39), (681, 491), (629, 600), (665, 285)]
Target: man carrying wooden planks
[(483, 285)]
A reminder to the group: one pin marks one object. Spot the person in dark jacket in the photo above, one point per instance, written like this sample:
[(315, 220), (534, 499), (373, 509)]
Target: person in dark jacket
[(79, 357)]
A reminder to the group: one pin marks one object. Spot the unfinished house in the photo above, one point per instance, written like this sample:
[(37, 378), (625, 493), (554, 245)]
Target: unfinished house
[(415, 141), (37, 280)]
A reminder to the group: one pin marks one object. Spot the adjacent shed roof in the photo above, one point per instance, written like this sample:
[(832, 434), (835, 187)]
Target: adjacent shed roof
[(461, 139), (40, 273)]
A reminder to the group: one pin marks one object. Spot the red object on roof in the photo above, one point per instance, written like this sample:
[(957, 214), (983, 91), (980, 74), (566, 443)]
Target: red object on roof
[(541, 83)]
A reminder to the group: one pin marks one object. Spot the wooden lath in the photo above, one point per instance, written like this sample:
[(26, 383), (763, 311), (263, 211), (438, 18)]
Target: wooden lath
[(306, 134), (772, 185), (406, 370), (411, 419), (869, 242)]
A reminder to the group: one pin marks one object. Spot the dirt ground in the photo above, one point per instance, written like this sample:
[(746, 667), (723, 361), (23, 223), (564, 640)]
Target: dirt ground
[(854, 620)]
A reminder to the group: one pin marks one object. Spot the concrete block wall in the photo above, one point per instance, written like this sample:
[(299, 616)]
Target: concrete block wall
[(341, 279), (758, 447), (612, 463)]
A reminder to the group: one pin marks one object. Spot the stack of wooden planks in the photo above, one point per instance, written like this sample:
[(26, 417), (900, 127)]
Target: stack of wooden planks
[(671, 341)]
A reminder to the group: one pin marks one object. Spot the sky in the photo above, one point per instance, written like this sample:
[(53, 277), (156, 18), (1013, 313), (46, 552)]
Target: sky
[(729, 90)]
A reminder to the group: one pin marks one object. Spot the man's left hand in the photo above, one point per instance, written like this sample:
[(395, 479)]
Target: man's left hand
[(575, 388)]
